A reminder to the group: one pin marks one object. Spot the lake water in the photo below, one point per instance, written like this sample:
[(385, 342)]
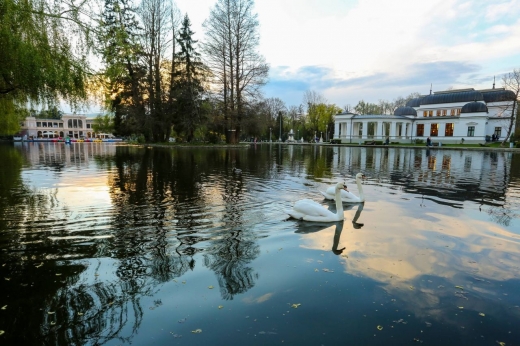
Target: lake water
[(119, 245)]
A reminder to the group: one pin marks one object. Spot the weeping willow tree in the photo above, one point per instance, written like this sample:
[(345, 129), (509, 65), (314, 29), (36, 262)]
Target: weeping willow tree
[(43, 56)]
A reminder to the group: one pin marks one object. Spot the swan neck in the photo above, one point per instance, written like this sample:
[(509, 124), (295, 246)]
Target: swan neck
[(339, 205), (360, 189)]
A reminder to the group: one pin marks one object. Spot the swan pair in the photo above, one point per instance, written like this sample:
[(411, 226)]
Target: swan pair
[(346, 195), (309, 210)]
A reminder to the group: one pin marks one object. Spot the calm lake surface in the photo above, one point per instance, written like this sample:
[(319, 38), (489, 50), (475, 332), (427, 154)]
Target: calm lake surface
[(119, 245)]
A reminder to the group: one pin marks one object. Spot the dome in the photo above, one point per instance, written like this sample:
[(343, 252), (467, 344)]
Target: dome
[(452, 97), (498, 95), (405, 111), (414, 102), (474, 107)]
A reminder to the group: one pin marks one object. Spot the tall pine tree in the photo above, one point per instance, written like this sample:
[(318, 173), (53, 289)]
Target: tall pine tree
[(189, 82)]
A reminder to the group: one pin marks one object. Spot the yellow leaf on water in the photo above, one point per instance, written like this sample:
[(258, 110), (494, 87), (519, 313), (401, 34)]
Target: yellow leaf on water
[(4, 307), (459, 287), (295, 305), (2, 332), (501, 343), (220, 306), (411, 287), (51, 312), (316, 270), (211, 287), (481, 314), (379, 327), (197, 331), (80, 314), (461, 307)]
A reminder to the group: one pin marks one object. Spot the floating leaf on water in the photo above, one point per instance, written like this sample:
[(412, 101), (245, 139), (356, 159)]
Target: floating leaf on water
[(174, 280), (53, 323), (428, 324), (50, 312), (184, 282), (379, 327), (482, 314), (459, 287), (328, 270), (220, 306), (501, 343), (316, 270), (197, 331), (295, 305), (58, 274), (96, 274), (2, 332), (280, 249), (7, 279), (211, 287), (461, 307), (182, 320), (39, 265), (80, 314), (4, 307), (411, 287)]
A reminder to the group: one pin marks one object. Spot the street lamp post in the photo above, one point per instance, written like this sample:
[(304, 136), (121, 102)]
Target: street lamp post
[(270, 134), (280, 139), (298, 136)]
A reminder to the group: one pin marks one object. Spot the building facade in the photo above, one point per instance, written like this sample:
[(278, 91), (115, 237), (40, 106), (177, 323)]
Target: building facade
[(75, 126), (453, 116)]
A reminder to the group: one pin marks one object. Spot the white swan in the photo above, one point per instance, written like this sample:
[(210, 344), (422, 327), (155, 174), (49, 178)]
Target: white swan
[(308, 210), (346, 195)]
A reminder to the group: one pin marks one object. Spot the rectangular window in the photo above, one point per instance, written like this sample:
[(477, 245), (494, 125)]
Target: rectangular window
[(452, 112), (498, 132), (438, 112), (448, 132), (444, 112), (88, 127), (425, 114), (420, 130), (430, 114), (471, 131), (38, 124), (434, 130), (458, 111)]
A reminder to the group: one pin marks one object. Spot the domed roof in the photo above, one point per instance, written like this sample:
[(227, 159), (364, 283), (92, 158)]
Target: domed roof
[(498, 95), (406, 110), (452, 97), (414, 102), (474, 107)]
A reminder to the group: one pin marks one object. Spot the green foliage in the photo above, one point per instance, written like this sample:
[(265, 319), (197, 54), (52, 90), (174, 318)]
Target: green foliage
[(215, 137), (36, 55), (103, 124)]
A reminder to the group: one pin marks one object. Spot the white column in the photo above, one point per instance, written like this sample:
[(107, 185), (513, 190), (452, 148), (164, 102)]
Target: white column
[(365, 130), (336, 129), (393, 129)]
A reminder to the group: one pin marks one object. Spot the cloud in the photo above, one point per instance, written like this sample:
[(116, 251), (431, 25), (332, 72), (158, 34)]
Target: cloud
[(375, 86)]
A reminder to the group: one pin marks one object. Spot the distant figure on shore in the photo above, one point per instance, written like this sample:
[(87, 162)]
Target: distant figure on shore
[(428, 142), (387, 141)]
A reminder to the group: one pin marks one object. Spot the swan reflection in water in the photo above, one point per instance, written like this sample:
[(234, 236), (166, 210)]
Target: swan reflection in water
[(311, 227)]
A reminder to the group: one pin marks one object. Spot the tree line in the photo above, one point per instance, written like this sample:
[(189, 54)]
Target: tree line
[(155, 81)]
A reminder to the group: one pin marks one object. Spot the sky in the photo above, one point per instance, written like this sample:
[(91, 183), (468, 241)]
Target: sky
[(374, 50)]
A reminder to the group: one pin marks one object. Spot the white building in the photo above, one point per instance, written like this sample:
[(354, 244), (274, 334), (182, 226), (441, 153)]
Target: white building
[(75, 126), (451, 116)]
